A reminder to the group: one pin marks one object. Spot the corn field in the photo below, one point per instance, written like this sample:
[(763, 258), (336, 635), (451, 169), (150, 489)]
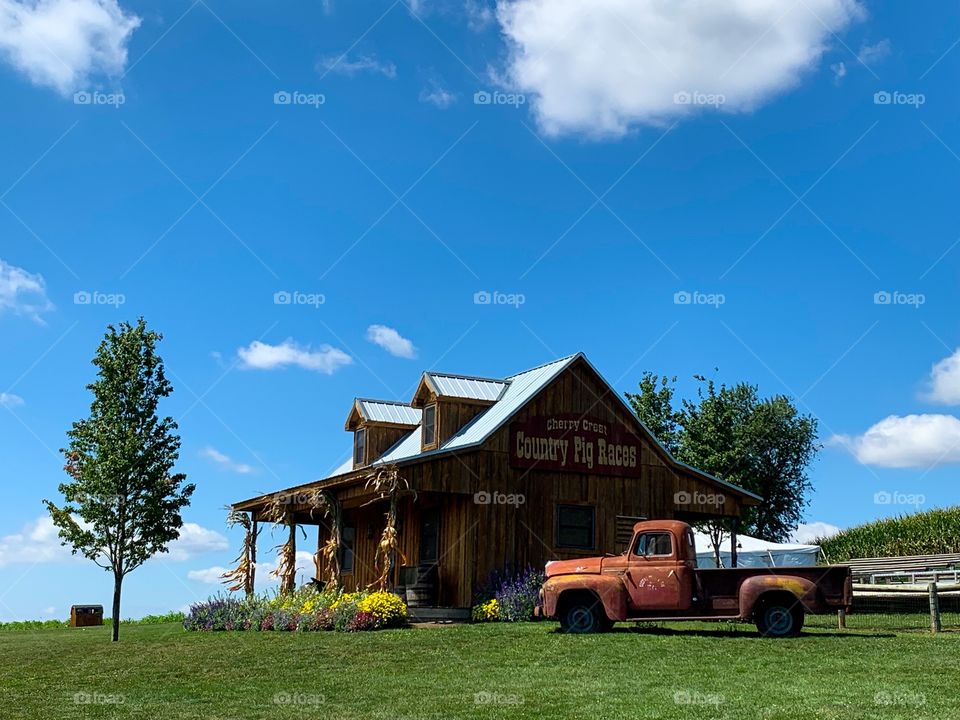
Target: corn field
[(927, 533)]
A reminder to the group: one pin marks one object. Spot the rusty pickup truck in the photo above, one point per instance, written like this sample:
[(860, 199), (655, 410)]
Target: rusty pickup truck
[(657, 579)]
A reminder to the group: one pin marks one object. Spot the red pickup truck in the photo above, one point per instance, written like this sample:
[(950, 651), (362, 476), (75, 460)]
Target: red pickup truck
[(657, 579)]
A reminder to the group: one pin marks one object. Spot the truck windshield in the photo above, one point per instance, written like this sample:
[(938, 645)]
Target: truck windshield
[(659, 543)]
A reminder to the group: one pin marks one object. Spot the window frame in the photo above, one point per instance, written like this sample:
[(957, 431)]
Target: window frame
[(346, 548), (361, 435), (593, 527), (433, 441), (642, 535)]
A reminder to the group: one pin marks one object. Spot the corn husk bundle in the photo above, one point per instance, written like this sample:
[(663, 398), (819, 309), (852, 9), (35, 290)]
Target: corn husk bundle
[(241, 577), (389, 485), (329, 554)]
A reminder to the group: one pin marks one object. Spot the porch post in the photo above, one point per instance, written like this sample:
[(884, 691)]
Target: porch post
[(735, 527), (254, 530)]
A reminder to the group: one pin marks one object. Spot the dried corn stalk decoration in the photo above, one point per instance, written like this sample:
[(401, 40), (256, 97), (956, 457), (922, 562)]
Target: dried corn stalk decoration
[(280, 513), (329, 554), (389, 485), (243, 576)]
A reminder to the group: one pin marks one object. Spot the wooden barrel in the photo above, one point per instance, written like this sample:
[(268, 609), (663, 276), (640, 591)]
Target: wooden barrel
[(423, 592)]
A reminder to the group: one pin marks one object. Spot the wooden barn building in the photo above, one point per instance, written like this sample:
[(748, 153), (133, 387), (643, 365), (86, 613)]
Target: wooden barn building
[(550, 463)]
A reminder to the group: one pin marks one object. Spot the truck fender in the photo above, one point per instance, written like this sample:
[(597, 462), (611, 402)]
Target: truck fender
[(753, 588), (607, 589)]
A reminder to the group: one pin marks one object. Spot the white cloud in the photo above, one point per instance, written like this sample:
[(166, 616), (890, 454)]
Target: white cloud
[(839, 72), (391, 341), (212, 575), (600, 67), (261, 356), (22, 292), (10, 400), (195, 540), (342, 65), (225, 462), (944, 381), (807, 533), (63, 43), (435, 94), (480, 15), (38, 542), (916, 441), (874, 53)]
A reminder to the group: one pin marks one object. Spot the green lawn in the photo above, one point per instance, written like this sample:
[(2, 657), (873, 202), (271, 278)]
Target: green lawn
[(529, 670)]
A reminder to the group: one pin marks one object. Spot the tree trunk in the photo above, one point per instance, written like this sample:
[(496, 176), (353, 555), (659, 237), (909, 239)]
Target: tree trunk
[(117, 582)]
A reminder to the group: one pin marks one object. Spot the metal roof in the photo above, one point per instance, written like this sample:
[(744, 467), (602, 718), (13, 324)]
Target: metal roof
[(389, 412), (463, 386)]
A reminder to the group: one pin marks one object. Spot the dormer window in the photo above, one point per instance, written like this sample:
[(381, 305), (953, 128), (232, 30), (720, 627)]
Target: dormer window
[(429, 425), (359, 447)]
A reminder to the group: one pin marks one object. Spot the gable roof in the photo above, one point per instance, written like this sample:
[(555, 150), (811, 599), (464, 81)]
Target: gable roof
[(461, 387), (517, 391), (385, 411)]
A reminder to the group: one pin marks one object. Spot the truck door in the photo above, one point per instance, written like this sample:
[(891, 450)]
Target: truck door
[(656, 578)]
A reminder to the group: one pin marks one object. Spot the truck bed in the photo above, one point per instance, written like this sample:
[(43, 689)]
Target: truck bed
[(720, 587)]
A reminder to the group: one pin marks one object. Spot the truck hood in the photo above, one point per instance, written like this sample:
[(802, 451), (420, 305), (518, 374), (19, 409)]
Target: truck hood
[(578, 566)]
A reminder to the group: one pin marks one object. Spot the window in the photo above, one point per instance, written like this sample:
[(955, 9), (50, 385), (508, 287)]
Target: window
[(346, 549), (429, 535), (659, 544), (429, 425), (359, 447), (575, 526)]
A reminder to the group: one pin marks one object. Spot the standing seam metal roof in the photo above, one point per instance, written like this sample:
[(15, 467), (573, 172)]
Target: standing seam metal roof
[(389, 412), (462, 386)]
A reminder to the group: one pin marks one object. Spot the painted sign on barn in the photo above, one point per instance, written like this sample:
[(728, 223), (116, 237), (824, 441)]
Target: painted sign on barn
[(574, 443)]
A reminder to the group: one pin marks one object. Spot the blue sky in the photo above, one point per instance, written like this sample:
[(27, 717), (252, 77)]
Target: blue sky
[(764, 188)]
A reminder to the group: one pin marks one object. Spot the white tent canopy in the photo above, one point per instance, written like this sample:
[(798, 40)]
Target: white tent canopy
[(753, 552)]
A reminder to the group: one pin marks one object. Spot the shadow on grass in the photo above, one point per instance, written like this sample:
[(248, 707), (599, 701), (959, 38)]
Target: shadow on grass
[(729, 634)]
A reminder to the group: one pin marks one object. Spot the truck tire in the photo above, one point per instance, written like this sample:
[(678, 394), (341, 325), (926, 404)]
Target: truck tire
[(779, 617), (583, 616)]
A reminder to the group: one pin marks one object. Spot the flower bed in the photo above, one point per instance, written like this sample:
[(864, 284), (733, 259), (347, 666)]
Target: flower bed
[(306, 610), (510, 598)]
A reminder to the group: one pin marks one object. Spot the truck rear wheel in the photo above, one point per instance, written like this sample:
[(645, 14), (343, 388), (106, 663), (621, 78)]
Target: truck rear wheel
[(780, 618), (584, 616)]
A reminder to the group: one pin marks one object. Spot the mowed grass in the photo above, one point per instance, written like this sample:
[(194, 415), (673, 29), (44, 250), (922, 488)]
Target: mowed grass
[(479, 671)]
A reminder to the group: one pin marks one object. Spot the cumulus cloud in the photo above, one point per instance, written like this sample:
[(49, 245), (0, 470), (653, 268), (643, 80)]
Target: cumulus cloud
[(342, 65), (437, 95), (225, 462), (391, 341), (195, 540), (480, 15), (262, 356), (39, 542), (62, 44), (944, 381), (212, 575), (808, 533), (601, 67), (874, 53), (10, 400), (22, 292), (909, 441)]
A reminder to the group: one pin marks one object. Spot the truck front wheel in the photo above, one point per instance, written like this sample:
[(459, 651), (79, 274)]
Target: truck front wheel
[(584, 616), (779, 618)]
